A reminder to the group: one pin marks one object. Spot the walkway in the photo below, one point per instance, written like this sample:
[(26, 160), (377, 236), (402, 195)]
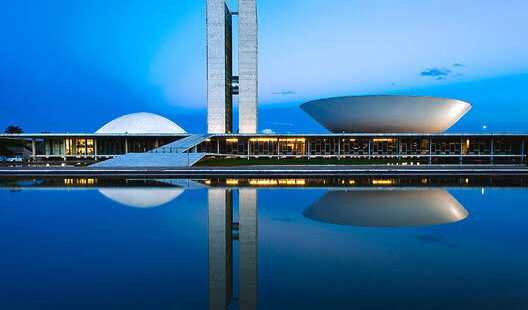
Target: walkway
[(170, 155), (183, 145), (152, 160)]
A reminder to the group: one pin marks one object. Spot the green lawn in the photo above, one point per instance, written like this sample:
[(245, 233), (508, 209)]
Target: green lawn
[(293, 161)]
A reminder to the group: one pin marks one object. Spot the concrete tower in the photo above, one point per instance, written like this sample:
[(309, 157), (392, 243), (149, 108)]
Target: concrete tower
[(219, 68), (248, 65), (221, 84)]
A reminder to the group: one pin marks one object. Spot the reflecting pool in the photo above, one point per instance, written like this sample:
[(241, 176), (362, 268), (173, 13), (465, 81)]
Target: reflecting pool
[(363, 243)]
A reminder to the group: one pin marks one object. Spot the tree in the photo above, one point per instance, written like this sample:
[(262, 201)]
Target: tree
[(14, 129)]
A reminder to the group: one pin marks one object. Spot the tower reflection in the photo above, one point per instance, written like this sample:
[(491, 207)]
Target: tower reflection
[(387, 208), (221, 235)]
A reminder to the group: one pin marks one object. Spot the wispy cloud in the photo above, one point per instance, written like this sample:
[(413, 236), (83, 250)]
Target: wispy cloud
[(268, 131), (443, 73), (437, 73), (286, 92), (282, 124)]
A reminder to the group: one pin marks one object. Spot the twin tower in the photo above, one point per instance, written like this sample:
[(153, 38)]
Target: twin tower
[(222, 85)]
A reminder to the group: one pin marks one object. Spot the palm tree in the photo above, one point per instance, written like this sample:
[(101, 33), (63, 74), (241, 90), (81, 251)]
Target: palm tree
[(14, 129)]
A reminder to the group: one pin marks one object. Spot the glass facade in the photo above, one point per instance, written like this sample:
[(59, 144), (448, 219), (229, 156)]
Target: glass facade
[(80, 147), (436, 149)]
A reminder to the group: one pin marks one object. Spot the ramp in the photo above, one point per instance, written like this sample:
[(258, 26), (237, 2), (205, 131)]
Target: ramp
[(175, 154), (183, 145), (152, 160)]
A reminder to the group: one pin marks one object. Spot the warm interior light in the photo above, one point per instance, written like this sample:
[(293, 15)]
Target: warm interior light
[(263, 182), (383, 140), (232, 181), (263, 139), (267, 182), (232, 140), (382, 182)]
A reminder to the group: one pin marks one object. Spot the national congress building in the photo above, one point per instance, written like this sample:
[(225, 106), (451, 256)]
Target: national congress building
[(400, 128)]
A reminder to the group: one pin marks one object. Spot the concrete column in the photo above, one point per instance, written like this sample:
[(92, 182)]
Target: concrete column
[(369, 153), (220, 245), (491, 152), (399, 148), (33, 148), (248, 249), (522, 151), (249, 150), (461, 150), (156, 143), (430, 151), (126, 146), (308, 146), (339, 147), (95, 147), (218, 146)]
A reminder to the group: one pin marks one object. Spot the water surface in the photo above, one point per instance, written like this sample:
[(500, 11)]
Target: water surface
[(263, 244)]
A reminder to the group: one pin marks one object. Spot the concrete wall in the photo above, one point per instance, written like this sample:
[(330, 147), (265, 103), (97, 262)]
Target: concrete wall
[(219, 67), (248, 65)]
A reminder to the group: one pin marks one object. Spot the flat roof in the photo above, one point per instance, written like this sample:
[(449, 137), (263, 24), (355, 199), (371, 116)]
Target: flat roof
[(261, 135), (98, 135)]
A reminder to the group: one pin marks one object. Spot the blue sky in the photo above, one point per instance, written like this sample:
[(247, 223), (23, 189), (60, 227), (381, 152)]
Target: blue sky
[(75, 65)]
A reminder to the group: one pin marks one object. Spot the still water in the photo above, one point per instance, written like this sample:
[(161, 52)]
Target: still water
[(264, 244)]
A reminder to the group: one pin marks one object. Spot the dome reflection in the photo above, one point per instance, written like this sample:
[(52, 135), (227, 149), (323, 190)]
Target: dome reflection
[(141, 197), (387, 208)]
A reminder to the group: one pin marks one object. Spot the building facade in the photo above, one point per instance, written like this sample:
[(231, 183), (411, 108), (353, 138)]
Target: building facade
[(426, 149), (222, 85)]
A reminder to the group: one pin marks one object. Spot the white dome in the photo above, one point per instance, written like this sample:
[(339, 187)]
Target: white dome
[(142, 197), (141, 123)]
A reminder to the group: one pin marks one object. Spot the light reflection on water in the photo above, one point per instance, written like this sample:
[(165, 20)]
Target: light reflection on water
[(213, 245), (387, 208)]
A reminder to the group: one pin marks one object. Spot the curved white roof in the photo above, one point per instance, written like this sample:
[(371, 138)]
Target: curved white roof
[(142, 197), (387, 208), (386, 114), (141, 123)]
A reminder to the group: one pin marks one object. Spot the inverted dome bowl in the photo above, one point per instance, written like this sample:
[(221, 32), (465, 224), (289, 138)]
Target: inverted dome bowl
[(387, 208), (386, 114)]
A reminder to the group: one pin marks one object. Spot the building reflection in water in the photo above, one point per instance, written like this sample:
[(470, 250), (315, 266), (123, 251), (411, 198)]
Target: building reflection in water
[(222, 233), (141, 197), (387, 208)]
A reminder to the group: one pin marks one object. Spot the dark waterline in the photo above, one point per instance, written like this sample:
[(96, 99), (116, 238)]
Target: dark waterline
[(360, 243)]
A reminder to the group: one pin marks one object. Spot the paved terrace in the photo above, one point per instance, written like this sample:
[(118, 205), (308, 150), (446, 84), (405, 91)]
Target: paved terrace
[(264, 171)]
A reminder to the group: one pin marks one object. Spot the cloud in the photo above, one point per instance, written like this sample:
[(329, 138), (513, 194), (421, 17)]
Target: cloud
[(268, 131), (442, 73), (437, 73), (284, 219), (281, 124), (287, 92)]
